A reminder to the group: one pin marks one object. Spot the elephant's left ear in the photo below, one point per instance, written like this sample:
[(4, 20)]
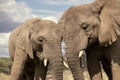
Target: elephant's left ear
[(24, 42), (109, 29), (28, 44)]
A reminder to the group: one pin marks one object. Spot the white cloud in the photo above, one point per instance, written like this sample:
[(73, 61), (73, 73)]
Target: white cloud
[(51, 18), (46, 11), (4, 44), (4, 52), (4, 39), (19, 12), (66, 2)]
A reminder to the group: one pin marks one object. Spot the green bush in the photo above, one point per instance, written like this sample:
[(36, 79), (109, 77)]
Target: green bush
[(5, 65)]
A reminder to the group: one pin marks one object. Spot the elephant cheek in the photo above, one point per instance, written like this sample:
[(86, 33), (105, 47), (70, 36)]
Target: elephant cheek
[(41, 57), (82, 44)]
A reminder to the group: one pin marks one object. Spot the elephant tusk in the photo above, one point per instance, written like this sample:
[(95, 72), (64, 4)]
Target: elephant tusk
[(110, 42), (65, 64), (106, 45), (45, 62), (81, 53)]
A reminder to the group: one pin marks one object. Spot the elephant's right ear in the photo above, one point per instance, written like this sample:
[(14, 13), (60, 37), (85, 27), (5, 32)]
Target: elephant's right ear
[(109, 29), (97, 6), (24, 42), (109, 17)]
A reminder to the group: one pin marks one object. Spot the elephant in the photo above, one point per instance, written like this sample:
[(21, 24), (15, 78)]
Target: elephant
[(94, 29), (35, 48)]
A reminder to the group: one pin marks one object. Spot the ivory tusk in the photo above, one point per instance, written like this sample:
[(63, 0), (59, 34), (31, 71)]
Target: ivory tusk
[(45, 62), (110, 42), (81, 53), (65, 64), (106, 45)]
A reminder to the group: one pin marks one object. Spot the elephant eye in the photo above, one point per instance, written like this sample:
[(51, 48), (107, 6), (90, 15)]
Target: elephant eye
[(41, 39), (84, 26)]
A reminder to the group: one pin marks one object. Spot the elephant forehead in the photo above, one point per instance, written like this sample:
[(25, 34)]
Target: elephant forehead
[(81, 9), (44, 32), (48, 33), (42, 25)]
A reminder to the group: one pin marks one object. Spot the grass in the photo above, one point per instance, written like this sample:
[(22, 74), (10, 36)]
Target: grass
[(5, 65)]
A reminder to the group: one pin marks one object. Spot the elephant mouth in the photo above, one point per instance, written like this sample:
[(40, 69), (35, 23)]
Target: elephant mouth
[(91, 40), (41, 57)]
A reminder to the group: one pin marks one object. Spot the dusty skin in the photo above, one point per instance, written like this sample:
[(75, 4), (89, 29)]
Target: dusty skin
[(35, 48), (95, 29)]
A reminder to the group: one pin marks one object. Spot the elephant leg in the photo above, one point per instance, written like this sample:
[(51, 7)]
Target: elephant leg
[(114, 52), (116, 68), (94, 68), (23, 77), (106, 63), (29, 70), (29, 76), (40, 70)]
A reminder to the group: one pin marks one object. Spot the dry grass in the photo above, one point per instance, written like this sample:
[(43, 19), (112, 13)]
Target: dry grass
[(68, 75), (4, 76), (5, 71)]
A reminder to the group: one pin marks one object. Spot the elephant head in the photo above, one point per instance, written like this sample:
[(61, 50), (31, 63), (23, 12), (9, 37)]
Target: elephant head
[(40, 39), (85, 24)]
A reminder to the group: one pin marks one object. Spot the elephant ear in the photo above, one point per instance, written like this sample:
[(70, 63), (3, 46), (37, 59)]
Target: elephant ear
[(109, 29), (97, 6), (109, 16), (24, 42), (26, 34)]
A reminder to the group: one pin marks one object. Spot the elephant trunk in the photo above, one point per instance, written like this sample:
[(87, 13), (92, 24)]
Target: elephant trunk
[(73, 48), (74, 64), (73, 61), (55, 65), (18, 65), (55, 70)]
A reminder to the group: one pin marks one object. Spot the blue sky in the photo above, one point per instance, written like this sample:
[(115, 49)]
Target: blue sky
[(15, 12)]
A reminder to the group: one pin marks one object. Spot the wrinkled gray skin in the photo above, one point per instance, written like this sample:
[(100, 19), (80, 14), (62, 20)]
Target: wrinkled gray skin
[(93, 27), (29, 45)]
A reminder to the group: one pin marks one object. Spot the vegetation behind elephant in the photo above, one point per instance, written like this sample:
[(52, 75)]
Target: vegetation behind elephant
[(35, 48), (94, 27)]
